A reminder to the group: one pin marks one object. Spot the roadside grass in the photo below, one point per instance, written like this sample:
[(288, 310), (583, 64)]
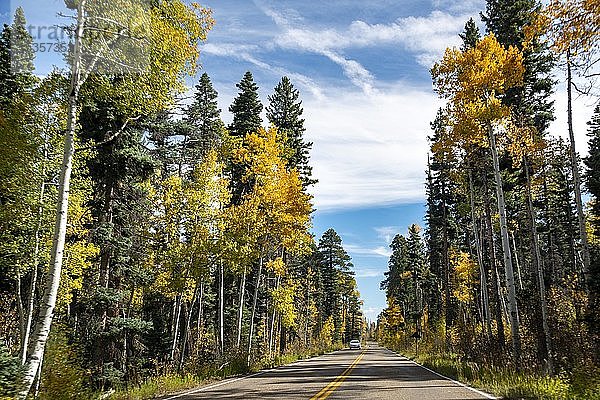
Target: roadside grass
[(512, 385), (172, 383)]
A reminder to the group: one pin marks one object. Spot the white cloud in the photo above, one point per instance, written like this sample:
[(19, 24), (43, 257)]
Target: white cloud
[(367, 272), (378, 251), (583, 108), (386, 233), (369, 149), (427, 37), (244, 52)]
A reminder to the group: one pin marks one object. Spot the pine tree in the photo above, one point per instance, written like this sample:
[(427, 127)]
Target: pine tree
[(334, 263), (246, 108), (470, 35), (285, 112), (531, 102), (203, 119), (592, 180)]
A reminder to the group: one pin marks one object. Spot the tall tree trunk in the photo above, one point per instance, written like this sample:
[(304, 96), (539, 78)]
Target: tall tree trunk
[(221, 307), (241, 309), (482, 272), (517, 264), (254, 301), (540, 271), (175, 327), (448, 312), (42, 330), (577, 179), (186, 332), (510, 277), (496, 280), (34, 270)]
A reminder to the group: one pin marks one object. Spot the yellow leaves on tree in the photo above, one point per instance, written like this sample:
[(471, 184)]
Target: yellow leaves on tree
[(465, 272), (282, 207), (570, 26), (283, 302), (189, 226), (473, 81)]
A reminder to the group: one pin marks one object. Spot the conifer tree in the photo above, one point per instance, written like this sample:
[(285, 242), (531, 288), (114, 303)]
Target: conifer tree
[(531, 102), (285, 112), (246, 108), (334, 262), (592, 180), (203, 119)]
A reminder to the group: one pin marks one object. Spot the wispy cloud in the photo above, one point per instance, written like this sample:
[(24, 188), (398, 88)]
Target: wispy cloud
[(244, 52), (387, 233), (379, 251), (368, 273), (324, 43), (369, 150), (426, 36)]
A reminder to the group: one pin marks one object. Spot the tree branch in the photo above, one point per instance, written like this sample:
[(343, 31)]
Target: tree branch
[(111, 137)]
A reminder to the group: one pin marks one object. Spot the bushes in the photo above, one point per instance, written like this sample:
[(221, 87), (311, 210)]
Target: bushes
[(11, 373)]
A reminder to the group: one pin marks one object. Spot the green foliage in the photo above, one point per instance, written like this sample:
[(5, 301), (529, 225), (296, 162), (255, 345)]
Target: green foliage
[(11, 373), (285, 112), (63, 377), (246, 108)]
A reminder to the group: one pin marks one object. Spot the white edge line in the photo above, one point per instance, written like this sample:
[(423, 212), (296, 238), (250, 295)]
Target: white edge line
[(486, 395), (227, 381)]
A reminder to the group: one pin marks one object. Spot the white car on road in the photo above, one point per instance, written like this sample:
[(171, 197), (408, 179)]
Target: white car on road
[(355, 344)]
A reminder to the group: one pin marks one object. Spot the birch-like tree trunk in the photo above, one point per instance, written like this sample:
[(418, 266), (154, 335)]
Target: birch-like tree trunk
[(221, 307), (42, 330), (479, 251), (540, 271), (241, 309), (576, 178), (254, 301), (510, 277)]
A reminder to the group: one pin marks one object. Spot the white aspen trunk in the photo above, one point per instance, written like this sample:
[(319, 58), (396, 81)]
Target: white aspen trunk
[(221, 307), (40, 336), (254, 301), (272, 326), (577, 179), (482, 273), (518, 265), (241, 309), (540, 272), (175, 327), (188, 320), (34, 274), (510, 277)]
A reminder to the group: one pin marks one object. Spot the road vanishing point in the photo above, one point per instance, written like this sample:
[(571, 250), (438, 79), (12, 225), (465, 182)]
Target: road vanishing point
[(372, 373)]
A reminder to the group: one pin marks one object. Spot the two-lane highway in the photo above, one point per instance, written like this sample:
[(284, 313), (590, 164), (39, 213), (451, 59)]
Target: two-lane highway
[(372, 373)]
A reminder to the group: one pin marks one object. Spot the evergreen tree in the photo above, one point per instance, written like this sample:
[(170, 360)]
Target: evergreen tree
[(203, 119), (592, 180), (334, 265), (246, 108), (470, 35), (285, 112), (531, 102)]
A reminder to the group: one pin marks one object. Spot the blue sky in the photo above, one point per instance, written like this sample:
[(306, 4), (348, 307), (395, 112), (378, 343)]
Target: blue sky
[(362, 68)]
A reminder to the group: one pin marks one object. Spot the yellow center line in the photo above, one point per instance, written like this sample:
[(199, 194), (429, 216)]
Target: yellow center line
[(327, 390)]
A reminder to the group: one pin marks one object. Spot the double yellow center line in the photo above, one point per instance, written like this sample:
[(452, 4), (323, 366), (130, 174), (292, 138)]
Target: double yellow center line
[(327, 390)]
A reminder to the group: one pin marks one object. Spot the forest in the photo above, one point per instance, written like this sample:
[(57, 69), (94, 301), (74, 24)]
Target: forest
[(145, 244), (502, 287)]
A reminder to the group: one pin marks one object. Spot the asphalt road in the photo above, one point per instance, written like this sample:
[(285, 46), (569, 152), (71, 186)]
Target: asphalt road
[(371, 373)]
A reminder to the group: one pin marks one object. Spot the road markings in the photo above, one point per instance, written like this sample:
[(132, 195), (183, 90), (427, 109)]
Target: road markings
[(327, 390)]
